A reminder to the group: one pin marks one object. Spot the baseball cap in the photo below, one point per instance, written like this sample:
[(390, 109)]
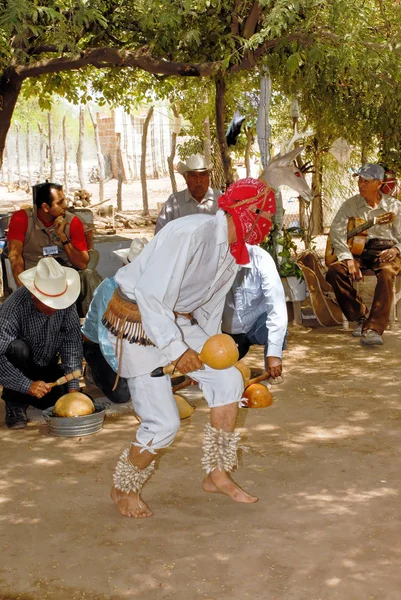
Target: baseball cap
[(370, 171)]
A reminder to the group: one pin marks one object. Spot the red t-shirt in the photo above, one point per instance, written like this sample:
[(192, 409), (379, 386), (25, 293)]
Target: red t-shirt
[(19, 224)]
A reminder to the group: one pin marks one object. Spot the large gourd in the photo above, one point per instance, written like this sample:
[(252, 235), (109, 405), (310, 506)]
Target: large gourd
[(245, 372), (73, 404), (219, 351), (258, 396), (184, 408)]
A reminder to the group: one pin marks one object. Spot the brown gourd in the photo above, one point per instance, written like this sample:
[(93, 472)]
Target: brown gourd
[(73, 404), (219, 351), (245, 372), (258, 396), (185, 409)]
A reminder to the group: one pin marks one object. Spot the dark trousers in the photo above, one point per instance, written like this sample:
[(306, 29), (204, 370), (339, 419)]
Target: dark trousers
[(19, 354), (257, 335), (104, 376), (351, 303)]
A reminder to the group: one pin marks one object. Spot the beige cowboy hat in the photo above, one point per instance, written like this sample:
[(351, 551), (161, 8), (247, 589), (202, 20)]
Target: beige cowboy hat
[(56, 286), (196, 162), (127, 255)]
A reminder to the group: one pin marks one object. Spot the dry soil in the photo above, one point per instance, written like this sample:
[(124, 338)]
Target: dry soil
[(324, 460)]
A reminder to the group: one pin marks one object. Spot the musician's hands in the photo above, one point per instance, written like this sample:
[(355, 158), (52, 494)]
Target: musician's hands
[(188, 362), (389, 254), (39, 389), (274, 366), (353, 269)]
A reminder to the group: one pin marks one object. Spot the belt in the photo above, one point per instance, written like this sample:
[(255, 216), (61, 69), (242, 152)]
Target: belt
[(188, 316), (379, 243)]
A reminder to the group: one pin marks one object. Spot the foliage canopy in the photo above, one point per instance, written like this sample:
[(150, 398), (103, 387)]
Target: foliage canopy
[(341, 59)]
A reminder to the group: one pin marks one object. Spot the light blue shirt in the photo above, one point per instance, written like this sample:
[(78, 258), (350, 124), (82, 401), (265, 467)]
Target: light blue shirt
[(93, 328), (257, 289), (182, 204)]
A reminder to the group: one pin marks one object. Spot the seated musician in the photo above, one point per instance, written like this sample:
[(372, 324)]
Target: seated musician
[(381, 253)]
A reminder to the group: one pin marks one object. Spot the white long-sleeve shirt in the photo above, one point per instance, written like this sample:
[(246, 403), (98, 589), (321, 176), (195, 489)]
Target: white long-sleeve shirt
[(182, 204), (257, 289), (356, 206), (186, 268)]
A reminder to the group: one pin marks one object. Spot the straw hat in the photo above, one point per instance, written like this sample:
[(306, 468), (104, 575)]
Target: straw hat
[(127, 255), (196, 162), (56, 286)]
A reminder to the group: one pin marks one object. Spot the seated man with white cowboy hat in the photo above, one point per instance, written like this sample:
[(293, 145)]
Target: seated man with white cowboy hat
[(102, 364), (39, 325), (198, 197)]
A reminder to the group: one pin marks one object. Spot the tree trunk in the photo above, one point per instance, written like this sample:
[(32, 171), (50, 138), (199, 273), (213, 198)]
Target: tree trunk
[(65, 146), (10, 174), (28, 154), (220, 127), (145, 203), (364, 158), (17, 152), (51, 149), (10, 87), (119, 175), (3, 170), (170, 159), (41, 153), (80, 148), (100, 158), (317, 184), (207, 141), (249, 142)]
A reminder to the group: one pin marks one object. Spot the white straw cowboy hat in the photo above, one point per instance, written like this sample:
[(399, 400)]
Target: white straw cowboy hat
[(196, 162), (127, 255), (56, 286)]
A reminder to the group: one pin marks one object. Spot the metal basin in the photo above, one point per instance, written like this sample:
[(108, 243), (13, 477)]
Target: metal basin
[(76, 426)]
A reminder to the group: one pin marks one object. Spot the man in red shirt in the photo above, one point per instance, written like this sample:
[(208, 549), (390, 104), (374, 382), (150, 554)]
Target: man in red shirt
[(47, 229)]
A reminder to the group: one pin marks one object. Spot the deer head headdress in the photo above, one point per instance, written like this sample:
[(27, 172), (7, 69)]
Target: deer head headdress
[(282, 170)]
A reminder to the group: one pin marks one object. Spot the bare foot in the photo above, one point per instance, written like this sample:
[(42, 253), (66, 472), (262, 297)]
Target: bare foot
[(130, 505), (219, 482)]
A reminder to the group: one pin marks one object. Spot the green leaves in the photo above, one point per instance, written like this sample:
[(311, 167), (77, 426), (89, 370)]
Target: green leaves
[(341, 58), (294, 63)]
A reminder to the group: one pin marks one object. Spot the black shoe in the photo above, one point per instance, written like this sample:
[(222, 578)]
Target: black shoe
[(16, 417)]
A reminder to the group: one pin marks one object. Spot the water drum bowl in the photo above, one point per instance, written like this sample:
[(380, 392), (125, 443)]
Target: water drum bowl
[(76, 426)]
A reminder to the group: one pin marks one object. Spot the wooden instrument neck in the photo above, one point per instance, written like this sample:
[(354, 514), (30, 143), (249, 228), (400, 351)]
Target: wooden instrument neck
[(360, 228)]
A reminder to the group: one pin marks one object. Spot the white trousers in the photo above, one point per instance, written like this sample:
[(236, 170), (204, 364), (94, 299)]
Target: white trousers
[(154, 402)]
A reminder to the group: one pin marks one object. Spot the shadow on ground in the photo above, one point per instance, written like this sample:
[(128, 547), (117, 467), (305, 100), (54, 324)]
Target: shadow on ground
[(324, 460)]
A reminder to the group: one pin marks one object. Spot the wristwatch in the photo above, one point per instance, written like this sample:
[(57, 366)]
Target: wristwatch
[(67, 241)]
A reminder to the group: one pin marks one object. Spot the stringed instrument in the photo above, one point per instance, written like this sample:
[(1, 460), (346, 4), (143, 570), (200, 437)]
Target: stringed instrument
[(357, 232)]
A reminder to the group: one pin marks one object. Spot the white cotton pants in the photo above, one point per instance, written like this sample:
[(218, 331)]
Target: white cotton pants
[(154, 402)]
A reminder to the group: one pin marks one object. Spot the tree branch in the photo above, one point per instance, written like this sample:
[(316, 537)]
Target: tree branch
[(112, 57), (252, 20), (142, 59), (235, 21)]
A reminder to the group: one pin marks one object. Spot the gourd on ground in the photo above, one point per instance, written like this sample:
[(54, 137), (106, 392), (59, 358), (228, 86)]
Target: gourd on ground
[(73, 404)]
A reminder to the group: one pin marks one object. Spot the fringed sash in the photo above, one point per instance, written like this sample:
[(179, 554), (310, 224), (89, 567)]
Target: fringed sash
[(123, 319)]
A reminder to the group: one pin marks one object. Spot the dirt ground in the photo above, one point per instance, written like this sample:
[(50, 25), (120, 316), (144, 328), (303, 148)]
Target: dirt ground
[(324, 460)]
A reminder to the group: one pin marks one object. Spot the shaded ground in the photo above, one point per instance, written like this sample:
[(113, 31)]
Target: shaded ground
[(324, 460)]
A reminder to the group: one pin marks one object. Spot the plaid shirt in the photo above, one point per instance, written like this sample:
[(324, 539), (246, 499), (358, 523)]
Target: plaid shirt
[(46, 336)]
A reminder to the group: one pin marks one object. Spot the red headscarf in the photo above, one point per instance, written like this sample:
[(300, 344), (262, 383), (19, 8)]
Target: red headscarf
[(244, 200)]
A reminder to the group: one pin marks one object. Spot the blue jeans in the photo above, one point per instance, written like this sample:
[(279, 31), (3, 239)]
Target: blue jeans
[(257, 335)]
